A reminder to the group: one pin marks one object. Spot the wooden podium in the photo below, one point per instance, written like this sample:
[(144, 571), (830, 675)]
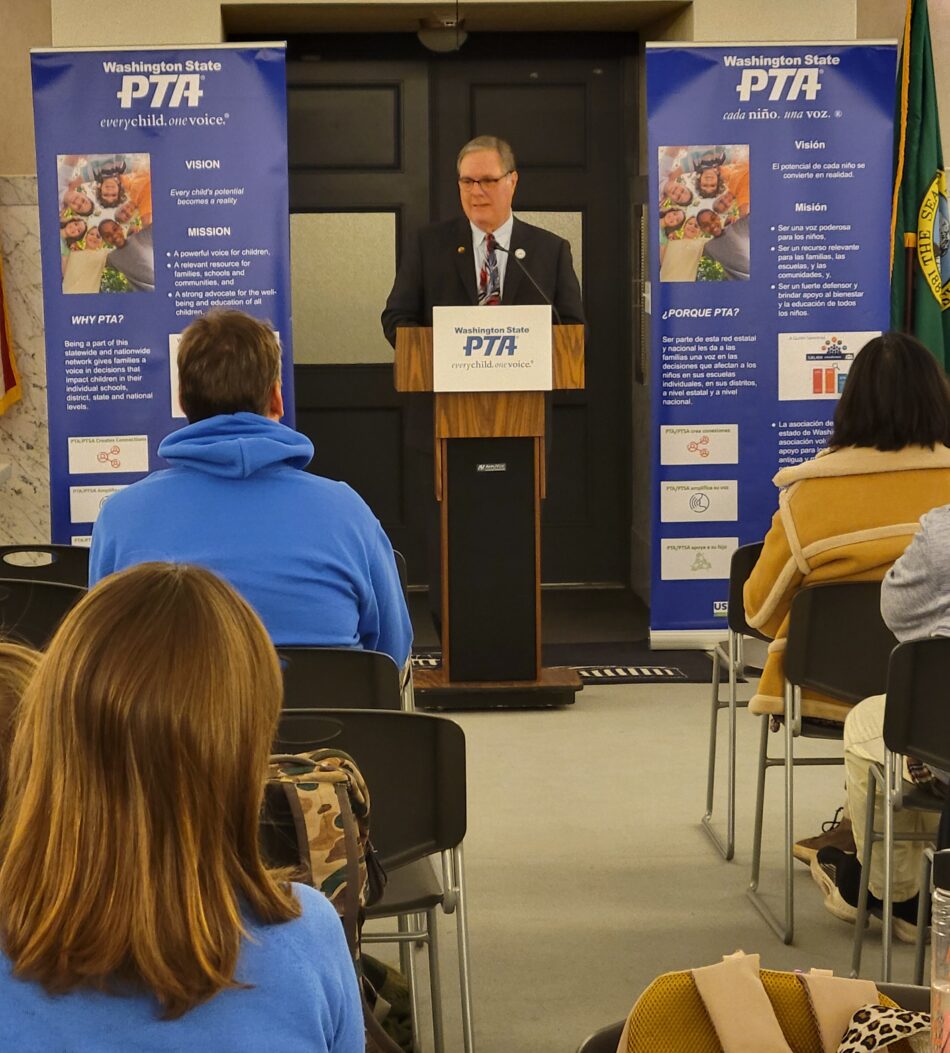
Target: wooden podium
[(490, 481)]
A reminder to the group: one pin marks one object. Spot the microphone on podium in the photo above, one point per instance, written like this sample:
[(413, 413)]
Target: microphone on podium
[(518, 255)]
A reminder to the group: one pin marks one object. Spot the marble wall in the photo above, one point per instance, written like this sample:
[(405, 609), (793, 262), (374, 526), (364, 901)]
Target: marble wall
[(24, 496)]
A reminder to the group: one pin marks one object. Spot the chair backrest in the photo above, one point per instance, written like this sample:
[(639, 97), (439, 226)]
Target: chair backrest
[(403, 572), (339, 678), (917, 714), (838, 643), (740, 567), (907, 996), (603, 1041), (414, 766), (68, 564), (30, 611)]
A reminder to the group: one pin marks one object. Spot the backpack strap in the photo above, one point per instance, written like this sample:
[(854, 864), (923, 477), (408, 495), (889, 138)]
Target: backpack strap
[(303, 831), (351, 900), (307, 821), (377, 1041), (739, 1007)]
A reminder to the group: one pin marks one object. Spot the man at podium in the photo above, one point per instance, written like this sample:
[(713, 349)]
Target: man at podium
[(487, 256)]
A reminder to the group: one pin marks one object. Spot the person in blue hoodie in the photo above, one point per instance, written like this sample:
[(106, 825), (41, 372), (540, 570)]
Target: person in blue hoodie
[(306, 552)]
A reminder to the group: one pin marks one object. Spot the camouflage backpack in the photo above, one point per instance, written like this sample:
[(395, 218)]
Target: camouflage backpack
[(330, 806)]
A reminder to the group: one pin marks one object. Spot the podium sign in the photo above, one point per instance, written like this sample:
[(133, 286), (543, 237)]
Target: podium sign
[(491, 348)]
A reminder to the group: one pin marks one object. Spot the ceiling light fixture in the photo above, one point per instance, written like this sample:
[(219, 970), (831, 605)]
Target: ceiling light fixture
[(442, 32)]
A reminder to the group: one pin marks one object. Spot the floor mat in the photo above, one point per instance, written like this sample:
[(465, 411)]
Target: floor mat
[(613, 663)]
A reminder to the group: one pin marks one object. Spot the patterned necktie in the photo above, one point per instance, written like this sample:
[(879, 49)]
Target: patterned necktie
[(489, 285)]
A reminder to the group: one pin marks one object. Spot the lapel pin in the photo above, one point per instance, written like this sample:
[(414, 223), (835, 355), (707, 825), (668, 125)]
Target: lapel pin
[(460, 249), (520, 254)]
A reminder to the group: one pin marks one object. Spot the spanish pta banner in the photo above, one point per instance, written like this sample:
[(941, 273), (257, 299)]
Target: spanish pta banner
[(162, 180), (769, 223)]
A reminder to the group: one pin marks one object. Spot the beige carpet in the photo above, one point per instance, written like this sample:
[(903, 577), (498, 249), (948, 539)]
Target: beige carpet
[(589, 874)]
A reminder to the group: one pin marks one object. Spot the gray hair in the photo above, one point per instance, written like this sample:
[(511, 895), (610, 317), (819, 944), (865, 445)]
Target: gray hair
[(488, 142)]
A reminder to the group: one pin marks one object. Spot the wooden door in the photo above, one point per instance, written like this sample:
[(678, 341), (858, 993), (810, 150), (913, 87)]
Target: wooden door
[(375, 125)]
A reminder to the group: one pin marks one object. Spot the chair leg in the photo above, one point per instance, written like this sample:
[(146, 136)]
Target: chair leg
[(887, 906), (461, 921), (923, 904), (407, 962), (716, 656), (725, 848), (404, 924), (759, 804), (435, 982), (788, 935), (784, 930), (861, 921), (734, 662)]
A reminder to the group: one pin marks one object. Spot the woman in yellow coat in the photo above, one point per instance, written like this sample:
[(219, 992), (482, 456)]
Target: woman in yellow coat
[(849, 513)]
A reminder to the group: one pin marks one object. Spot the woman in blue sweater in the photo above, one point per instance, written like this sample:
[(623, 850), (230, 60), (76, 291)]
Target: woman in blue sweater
[(135, 910)]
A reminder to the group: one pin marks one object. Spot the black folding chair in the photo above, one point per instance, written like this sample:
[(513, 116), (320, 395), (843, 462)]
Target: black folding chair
[(68, 564), (743, 560), (414, 766), (838, 645), (30, 611), (339, 678), (916, 723)]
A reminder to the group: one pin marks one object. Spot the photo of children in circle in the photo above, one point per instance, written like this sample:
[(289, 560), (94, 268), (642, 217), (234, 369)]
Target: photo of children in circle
[(703, 213), (105, 223)]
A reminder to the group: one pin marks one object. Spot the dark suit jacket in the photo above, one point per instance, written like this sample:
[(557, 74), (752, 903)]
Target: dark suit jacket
[(438, 271)]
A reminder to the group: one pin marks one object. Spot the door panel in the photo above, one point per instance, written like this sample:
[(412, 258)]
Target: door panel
[(346, 126), (341, 266), (358, 128), (530, 112), (567, 225)]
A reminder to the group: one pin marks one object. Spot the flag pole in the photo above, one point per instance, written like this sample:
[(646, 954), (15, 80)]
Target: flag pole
[(910, 273)]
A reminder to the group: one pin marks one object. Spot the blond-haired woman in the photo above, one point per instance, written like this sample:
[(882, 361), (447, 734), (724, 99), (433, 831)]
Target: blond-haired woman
[(17, 666), (135, 909)]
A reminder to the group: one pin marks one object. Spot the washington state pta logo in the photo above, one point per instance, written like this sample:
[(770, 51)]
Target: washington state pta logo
[(933, 239), (500, 344)]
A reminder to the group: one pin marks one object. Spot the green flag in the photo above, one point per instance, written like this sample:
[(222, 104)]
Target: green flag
[(920, 223)]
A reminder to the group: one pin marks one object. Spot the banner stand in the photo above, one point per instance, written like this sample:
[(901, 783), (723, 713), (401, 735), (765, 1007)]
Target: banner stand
[(162, 182), (769, 225)]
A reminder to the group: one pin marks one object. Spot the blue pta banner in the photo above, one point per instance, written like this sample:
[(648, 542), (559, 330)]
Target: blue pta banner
[(162, 180), (769, 220)]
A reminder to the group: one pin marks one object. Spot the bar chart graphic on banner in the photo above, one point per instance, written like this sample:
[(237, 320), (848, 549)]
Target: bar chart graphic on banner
[(815, 365)]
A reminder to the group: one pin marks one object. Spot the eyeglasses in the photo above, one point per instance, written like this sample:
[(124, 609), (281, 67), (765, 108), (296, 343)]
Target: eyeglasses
[(487, 184)]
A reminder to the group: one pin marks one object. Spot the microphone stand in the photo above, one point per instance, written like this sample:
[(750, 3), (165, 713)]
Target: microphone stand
[(524, 270)]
